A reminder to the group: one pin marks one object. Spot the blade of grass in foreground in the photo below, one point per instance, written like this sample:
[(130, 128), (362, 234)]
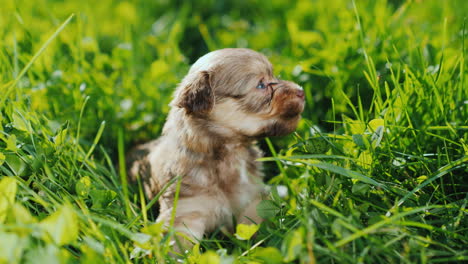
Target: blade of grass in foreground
[(308, 156), (275, 155), (155, 199), (347, 173), (330, 167), (12, 85), (442, 171), (376, 226), (123, 172), (95, 142)]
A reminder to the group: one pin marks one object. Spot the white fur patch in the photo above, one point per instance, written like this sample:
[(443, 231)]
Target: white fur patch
[(244, 176)]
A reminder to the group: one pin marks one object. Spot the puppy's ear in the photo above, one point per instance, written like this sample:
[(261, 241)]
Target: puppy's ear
[(196, 94)]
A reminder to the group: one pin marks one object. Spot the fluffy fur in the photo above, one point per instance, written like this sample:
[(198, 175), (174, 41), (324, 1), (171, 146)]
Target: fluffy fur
[(228, 100)]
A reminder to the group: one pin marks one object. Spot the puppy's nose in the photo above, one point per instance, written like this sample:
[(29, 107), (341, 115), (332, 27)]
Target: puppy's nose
[(300, 93)]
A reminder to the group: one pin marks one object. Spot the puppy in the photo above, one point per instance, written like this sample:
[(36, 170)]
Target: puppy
[(228, 100)]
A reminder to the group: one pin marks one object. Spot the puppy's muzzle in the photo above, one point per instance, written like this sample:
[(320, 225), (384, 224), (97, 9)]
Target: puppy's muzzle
[(289, 98)]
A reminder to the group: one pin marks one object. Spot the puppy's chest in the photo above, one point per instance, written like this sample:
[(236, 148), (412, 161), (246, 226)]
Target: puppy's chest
[(239, 178), (237, 171)]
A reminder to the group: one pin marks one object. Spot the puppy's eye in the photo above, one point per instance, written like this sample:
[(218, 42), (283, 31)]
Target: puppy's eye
[(261, 85)]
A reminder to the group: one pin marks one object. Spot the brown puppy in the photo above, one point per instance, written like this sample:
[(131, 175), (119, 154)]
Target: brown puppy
[(228, 100)]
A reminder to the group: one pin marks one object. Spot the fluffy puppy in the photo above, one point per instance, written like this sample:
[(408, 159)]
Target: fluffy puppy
[(228, 100)]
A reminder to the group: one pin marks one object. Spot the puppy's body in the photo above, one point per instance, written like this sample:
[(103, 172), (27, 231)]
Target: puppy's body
[(215, 186), (228, 99)]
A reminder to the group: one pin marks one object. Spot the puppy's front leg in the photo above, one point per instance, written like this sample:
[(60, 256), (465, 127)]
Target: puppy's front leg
[(249, 215), (191, 223)]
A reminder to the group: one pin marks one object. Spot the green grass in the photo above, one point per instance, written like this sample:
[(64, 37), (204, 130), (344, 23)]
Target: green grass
[(377, 171)]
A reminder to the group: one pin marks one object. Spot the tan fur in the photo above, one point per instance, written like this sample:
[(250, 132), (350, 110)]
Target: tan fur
[(209, 138)]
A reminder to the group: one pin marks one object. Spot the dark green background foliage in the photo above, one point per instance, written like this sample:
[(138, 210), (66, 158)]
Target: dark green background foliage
[(376, 173)]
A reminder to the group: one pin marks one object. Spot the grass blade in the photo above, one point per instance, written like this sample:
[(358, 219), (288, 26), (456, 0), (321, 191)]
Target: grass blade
[(12, 85)]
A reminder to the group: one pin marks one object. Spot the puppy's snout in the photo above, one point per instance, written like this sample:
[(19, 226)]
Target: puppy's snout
[(293, 90), (300, 93)]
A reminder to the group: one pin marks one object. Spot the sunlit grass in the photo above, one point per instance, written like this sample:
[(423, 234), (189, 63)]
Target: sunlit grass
[(376, 173)]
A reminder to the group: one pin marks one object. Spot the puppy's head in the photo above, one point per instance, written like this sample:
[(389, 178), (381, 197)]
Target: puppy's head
[(236, 93)]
